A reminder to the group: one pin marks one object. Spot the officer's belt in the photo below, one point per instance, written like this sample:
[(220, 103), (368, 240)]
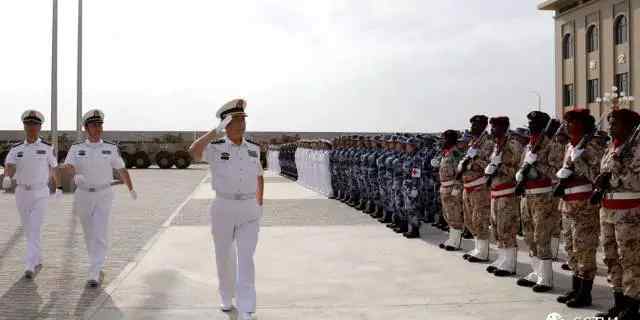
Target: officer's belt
[(447, 183), (538, 190), (95, 188), (235, 196), (34, 187), (579, 189), (476, 182), (623, 196)]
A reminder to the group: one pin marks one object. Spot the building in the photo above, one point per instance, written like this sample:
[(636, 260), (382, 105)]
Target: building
[(596, 47)]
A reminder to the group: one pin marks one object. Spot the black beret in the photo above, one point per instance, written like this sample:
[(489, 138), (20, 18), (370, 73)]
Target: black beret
[(500, 121), (479, 118)]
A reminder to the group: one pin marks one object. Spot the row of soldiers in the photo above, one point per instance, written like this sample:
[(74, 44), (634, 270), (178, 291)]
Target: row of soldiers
[(287, 160), (312, 162), (564, 171), (389, 177), (499, 180)]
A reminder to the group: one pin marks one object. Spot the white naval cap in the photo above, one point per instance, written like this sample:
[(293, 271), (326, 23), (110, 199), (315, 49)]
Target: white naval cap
[(33, 117), (92, 116), (234, 107)]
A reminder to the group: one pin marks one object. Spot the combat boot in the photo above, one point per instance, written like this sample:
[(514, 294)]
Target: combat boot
[(509, 263), (370, 208), (583, 296), (545, 276), (412, 232), (483, 252), (619, 304), (575, 286), (360, 204), (530, 279)]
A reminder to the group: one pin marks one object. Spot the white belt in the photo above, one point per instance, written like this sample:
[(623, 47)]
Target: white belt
[(623, 196), (447, 183), (578, 189), (475, 183), (504, 192), (95, 188), (34, 187), (236, 196), (538, 190)]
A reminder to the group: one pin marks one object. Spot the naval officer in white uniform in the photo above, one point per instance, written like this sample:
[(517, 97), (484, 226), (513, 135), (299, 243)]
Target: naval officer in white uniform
[(91, 163), (236, 176), (32, 163)]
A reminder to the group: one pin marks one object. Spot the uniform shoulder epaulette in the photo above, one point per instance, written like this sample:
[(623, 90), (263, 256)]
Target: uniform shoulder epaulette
[(253, 142), (17, 144), (45, 142), (218, 141), (109, 142)]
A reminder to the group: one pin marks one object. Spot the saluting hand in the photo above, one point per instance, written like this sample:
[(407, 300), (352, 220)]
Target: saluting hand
[(223, 124)]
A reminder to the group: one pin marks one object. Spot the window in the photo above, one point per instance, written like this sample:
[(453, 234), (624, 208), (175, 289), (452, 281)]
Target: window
[(593, 90), (567, 95), (622, 82), (620, 28), (567, 46), (592, 39)]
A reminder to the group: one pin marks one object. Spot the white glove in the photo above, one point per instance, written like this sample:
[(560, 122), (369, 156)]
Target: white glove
[(519, 176), (223, 124), (79, 180), (491, 169), (455, 192), (496, 159), (133, 194), (530, 158), (472, 152), (564, 173), (414, 193), (576, 154), (6, 183)]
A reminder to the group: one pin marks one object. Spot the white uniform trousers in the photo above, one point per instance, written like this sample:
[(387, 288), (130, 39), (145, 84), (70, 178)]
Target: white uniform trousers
[(93, 210), (235, 225), (32, 206)]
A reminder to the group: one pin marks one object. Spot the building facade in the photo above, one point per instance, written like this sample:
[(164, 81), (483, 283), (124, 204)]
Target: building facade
[(595, 49)]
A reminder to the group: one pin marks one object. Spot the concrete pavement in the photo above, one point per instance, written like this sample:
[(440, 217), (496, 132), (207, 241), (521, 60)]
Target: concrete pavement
[(324, 261)]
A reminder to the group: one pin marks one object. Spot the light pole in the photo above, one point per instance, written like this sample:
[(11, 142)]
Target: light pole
[(79, 77), (54, 78), (539, 99)]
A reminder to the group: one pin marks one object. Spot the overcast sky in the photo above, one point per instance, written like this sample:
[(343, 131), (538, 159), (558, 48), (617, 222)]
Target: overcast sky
[(302, 65)]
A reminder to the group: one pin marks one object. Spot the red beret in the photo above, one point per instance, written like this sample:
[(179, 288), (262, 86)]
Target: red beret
[(577, 115), (500, 122)]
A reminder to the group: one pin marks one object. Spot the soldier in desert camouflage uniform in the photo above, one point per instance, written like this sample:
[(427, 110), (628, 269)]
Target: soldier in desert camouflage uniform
[(451, 189), (618, 188), (539, 216), (475, 197), (505, 219), (580, 168)]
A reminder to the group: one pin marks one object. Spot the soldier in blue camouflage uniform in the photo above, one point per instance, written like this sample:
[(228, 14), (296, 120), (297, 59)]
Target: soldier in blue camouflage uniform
[(430, 203), (381, 182), (333, 168), (372, 176), (398, 219), (387, 181), (363, 156), (412, 168)]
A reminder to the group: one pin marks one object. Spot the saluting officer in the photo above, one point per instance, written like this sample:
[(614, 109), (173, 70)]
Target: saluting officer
[(91, 163), (32, 163), (236, 176)]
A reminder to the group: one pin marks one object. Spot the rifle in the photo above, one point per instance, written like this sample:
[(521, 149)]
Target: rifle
[(552, 128), (561, 186), (604, 181), (498, 148), (463, 166)]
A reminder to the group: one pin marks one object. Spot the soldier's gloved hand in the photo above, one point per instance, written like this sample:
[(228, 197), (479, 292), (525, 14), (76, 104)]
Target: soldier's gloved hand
[(223, 124), (564, 173), (133, 194), (6, 183), (79, 180), (576, 154), (472, 153), (530, 158), (455, 192), (414, 193), (491, 169)]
